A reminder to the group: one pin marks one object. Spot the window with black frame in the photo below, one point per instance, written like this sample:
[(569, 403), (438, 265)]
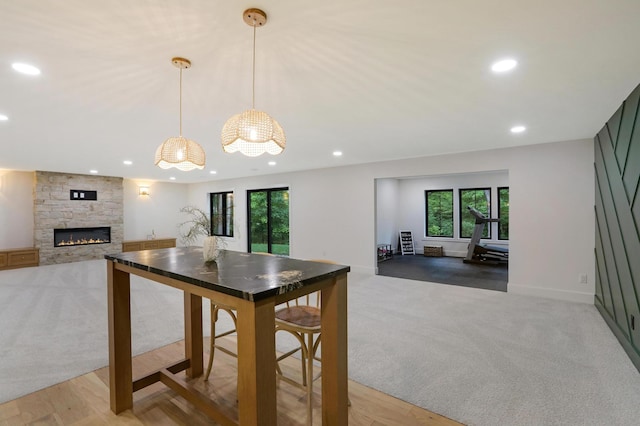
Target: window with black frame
[(439, 209), (221, 213), (268, 220), (479, 199), (503, 213)]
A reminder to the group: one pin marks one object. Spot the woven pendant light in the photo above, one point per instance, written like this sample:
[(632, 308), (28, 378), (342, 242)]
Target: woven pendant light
[(253, 132), (180, 152)]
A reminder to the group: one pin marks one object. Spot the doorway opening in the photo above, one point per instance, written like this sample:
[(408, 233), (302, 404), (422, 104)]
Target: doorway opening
[(434, 210)]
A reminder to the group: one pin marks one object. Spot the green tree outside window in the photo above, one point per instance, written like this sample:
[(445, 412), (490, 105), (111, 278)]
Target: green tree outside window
[(480, 199), (503, 213), (439, 207)]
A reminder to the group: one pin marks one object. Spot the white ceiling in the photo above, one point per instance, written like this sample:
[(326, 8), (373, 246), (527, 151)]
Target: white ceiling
[(376, 79)]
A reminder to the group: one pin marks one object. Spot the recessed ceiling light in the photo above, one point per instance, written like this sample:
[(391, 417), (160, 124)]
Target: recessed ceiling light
[(93, 172), (172, 178), (213, 172), (337, 153), (272, 163), (518, 129), (25, 69), (127, 162), (3, 117), (504, 65)]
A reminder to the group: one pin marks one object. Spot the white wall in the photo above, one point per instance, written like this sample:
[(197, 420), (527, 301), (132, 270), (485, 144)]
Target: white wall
[(551, 220), (333, 211), (551, 211), (387, 208), (411, 198), (158, 212), (16, 209)]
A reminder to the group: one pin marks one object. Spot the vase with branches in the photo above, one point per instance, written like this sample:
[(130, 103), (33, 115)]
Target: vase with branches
[(198, 225)]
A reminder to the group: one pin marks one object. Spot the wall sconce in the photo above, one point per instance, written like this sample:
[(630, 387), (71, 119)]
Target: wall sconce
[(143, 190)]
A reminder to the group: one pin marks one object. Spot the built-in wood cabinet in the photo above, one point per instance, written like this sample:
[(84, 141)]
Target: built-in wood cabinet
[(19, 258), (158, 243)]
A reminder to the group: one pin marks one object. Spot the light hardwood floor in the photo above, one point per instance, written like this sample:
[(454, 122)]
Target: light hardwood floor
[(85, 400)]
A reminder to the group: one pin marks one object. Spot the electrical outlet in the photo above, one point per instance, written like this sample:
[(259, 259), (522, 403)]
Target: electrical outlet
[(582, 278)]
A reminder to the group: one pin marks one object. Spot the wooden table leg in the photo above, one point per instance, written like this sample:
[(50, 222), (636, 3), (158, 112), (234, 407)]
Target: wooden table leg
[(334, 353), (193, 333), (119, 308), (257, 363)]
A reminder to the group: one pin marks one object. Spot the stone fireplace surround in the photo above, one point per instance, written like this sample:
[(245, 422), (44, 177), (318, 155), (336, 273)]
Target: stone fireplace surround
[(53, 208)]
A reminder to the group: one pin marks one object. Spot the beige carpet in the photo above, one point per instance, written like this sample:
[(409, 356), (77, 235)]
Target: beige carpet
[(479, 357), (53, 323), (484, 357)]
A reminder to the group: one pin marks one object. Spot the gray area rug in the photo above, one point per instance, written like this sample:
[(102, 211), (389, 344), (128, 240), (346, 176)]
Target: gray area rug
[(479, 357), (446, 270)]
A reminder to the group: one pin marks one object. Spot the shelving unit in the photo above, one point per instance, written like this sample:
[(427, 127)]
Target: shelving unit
[(406, 243), (384, 252)]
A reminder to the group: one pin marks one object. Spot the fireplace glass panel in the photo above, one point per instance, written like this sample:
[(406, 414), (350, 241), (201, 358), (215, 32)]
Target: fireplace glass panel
[(81, 236)]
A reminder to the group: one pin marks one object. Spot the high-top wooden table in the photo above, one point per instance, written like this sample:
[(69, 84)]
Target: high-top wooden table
[(253, 284)]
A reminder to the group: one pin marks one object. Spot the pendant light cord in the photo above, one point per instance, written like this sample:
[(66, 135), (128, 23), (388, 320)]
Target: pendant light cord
[(180, 101), (253, 88)]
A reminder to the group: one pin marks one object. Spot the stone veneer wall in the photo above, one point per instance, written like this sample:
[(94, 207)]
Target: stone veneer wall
[(53, 208)]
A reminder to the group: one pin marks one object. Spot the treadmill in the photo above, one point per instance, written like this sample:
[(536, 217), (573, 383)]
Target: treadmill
[(484, 253)]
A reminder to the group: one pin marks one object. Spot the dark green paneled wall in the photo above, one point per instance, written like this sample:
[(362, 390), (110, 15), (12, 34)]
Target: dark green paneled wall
[(617, 210)]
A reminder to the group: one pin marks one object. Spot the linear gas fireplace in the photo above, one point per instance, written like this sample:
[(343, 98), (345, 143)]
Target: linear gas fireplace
[(81, 236)]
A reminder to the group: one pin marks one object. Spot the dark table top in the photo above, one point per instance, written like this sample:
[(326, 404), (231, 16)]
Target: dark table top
[(245, 275)]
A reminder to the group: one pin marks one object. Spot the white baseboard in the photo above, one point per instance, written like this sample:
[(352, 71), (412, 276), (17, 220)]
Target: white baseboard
[(452, 253), (551, 293)]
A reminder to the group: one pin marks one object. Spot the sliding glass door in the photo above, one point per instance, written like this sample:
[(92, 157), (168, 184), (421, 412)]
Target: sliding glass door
[(268, 220)]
